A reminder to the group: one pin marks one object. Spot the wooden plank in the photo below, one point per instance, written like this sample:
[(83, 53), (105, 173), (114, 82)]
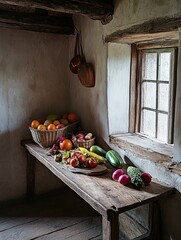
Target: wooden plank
[(30, 175), (7, 223), (101, 192), (110, 226), (132, 111), (87, 229), (159, 28), (157, 44), (143, 147), (40, 227), (95, 9), (37, 22), (130, 228), (90, 228)]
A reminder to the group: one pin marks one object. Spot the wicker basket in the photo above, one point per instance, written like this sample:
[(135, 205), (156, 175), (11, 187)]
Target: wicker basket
[(86, 144), (47, 138)]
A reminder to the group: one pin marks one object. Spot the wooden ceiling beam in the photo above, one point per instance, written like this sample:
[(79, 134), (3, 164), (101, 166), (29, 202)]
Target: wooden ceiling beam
[(95, 9), (37, 22)]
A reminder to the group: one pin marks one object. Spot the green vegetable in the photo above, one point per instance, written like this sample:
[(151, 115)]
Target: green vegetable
[(135, 175), (114, 159), (98, 150)]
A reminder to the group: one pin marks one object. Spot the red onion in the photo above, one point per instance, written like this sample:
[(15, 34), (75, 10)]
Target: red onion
[(60, 139), (146, 177), (124, 179), (116, 174)]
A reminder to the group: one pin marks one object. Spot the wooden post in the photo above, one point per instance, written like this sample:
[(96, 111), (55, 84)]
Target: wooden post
[(30, 171), (110, 226), (154, 222)]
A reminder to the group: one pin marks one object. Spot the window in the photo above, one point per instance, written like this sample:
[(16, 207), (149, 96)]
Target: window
[(156, 93)]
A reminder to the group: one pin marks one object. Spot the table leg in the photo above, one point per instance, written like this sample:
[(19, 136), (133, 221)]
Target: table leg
[(30, 171), (154, 232), (110, 226)]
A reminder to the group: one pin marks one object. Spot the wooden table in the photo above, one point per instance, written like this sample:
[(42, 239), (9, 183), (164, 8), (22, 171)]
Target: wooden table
[(106, 196)]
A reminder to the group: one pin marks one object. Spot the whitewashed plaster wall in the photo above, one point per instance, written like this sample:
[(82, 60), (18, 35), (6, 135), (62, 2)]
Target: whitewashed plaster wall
[(33, 82), (177, 136), (118, 84), (91, 103)]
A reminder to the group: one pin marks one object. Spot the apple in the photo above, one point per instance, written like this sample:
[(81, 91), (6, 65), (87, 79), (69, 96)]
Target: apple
[(64, 121), (47, 122), (60, 126)]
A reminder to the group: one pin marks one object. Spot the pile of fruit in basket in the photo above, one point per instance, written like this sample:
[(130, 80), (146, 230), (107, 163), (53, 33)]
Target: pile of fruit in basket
[(54, 121)]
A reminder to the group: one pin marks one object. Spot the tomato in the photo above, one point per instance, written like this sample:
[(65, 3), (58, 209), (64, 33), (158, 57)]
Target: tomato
[(75, 154), (92, 162), (82, 159), (72, 117), (74, 162), (66, 145)]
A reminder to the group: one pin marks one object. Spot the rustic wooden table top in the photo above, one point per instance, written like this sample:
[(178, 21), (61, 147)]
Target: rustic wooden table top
[(101, 192)]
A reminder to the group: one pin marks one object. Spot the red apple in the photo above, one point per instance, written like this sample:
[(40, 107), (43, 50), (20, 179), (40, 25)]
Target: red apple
[(60, 126)]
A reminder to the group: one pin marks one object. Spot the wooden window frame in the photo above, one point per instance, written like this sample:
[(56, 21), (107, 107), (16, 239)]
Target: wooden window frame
[(135, 85)]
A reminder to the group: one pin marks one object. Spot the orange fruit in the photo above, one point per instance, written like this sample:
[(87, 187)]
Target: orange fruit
[(41, 127), (35, 124), (72, 117), (56, 122), (66, 145), (51, 127)]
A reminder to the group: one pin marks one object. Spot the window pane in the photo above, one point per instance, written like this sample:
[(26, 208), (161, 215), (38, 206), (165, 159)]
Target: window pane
[(149, 95), (148, 122), (164, 66), (149, 66), (162, 133), (163, 97)]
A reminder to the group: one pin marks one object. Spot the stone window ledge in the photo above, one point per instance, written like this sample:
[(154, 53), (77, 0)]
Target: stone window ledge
[(147, 148)]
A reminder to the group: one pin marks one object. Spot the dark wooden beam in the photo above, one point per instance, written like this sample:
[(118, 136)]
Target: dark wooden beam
[(37, 21), (160, 28), (95, 9)]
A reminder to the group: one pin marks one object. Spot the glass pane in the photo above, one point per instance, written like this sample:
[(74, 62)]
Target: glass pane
[(164, 66), (148, 122), (163, 97), (162, 132), (149, 66), (149, 95)]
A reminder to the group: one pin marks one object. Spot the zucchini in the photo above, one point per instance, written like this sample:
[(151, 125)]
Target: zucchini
[(114, 159), (98, 150)]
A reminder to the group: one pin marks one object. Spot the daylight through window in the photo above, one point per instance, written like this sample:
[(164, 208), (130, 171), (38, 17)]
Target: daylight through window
[(157, 93)]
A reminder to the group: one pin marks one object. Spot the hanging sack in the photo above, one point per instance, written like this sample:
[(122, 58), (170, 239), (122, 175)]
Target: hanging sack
[(86, 75), (77, 59), (86, 71)]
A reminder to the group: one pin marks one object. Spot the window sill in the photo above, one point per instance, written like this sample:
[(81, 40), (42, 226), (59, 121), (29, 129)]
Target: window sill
[(141, 146)]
